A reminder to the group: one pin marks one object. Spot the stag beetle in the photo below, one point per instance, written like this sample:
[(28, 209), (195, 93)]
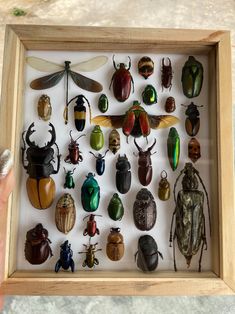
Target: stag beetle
[(100, 162), (90, 260), (145, 170), (65, 261), (40, 186), (91, 227), (74, 156), (167, 74)]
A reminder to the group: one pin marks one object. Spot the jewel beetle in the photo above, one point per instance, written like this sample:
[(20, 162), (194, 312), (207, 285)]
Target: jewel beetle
[(66, 257), (44, 108), (167, 74), (115, 247), (90, 260), (79, 112), (192, 77), (91, 227), (145, 170), (100, 162), (173, 148), (103, 103), (144, 210), (123, 174), (97, 138), (40, 186), (75, 155), (115, 208), (37, 246), (192, 122), (69, 182), (147, 254), (122, 81), (145, 66), (90, 193), (65, 213), (149, 95), (190, 226)]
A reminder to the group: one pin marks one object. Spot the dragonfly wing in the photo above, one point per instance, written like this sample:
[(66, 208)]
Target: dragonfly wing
[(91, 64), (47, 81), (43, 65), (164, 121), (109, 121), (86, 83)]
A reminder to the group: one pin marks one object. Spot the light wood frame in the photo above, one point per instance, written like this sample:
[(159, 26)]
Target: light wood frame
[(221, 280)]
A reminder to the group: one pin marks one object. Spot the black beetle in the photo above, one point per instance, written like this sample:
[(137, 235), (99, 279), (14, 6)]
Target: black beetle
[(79, 112), (121, 81), (145, 170), (65, 261), (40, 186), (192, 122), (147, 253), (90, 260), (100, 162), (74, 156), (190, 227), (123, 174), (144, 210)]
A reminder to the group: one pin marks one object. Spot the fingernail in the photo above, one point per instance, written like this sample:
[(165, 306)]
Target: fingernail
[(6, 162)]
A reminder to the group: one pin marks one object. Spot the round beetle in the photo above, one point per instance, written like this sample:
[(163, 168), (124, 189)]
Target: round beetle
[(90, 193), (115, 208), (79, 112), (145, 67), (103, 103), (115, 246), (74, 156), (91, 228), (145, 170), (37, 245), (40, 186), (97, 138), (65, 261), (121, 81), (100, 162), (192, 122), (65, 213)]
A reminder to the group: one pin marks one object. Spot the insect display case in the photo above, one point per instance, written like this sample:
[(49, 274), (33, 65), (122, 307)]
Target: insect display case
[(18, 111)]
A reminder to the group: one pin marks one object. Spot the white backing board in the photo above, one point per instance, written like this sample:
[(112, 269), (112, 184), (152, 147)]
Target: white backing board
[(30, 216)]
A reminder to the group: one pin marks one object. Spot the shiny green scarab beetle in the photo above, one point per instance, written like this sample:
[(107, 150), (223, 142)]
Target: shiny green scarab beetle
[(192, 77), (173, 148), (115, 208), (149, 95), (90, 193), (103, 103), (97, 138)]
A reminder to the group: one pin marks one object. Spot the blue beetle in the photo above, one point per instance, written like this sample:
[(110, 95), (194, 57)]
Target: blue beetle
[(100, 162), (65, 261)]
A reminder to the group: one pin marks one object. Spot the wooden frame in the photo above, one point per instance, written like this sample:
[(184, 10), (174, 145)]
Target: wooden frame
[(221, 280)]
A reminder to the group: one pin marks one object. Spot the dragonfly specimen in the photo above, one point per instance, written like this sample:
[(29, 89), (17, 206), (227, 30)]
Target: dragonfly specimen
[(59, 71), (135, 121)]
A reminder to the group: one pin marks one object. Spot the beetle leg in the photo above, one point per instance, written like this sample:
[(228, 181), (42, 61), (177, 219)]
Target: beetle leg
[(174, 251), (96, 261), (57, 266), (172, 219), (111, 81), (85, 232), (160, 254), (84, 263), (80, 158), (97, 231), (58, 160), (133, 85), (136, 255), (72, 265), (114, 64)]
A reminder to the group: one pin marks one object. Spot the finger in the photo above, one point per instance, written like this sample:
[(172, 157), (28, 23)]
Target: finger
[(6, 187)]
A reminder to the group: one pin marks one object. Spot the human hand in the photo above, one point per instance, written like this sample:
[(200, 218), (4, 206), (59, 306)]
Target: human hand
[(6, 186)]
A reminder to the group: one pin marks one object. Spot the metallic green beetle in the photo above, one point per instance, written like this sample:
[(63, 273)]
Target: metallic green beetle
[(103, 103), (173, 148), (115, 208), (149, 95), (192, 77), (90, 193), (69, 182), (97, 138)]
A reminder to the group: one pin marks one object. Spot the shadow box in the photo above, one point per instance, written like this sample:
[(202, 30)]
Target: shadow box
[(19, 109)]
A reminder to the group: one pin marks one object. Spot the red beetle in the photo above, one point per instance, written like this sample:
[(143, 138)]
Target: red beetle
[(91, 228), (122, 80), (74, 156)]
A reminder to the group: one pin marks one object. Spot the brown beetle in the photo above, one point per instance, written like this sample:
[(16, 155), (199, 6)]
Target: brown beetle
[(75, 155), (114, 141), (65, 213), (164, 187), (145, 170), (145, 67), (167, 74), (44, 108), (194, 149), (37, 245), (170, 104), (115, 246)]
